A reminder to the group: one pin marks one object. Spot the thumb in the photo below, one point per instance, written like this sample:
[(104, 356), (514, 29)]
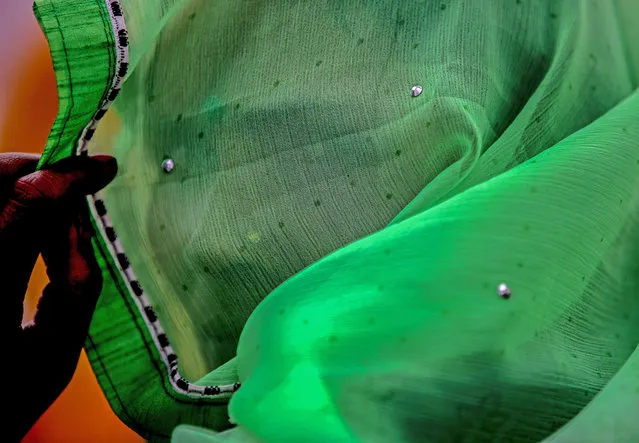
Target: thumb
[(46, 189), (74, 176)]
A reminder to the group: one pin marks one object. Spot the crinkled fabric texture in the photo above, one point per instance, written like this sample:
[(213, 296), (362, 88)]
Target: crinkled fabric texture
[(344, 240)]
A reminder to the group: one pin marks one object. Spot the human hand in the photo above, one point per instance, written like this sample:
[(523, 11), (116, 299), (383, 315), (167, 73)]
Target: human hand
[(45, 212)]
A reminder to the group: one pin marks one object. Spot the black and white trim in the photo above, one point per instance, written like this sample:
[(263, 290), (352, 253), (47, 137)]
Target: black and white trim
[(98, 209)]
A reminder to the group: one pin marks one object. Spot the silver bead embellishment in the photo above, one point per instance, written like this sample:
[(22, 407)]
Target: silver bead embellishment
[(168, 165), (504, 291), (416, 90)]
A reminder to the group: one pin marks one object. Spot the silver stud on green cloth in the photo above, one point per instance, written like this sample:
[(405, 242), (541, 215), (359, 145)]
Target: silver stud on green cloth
[(504, 291), (168, 165), (416, 90)]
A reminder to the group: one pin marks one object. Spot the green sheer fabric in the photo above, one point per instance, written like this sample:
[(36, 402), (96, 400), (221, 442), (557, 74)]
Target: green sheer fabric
[(334, 241)]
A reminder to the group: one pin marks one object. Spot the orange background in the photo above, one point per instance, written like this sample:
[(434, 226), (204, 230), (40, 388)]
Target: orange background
[(81, 413)]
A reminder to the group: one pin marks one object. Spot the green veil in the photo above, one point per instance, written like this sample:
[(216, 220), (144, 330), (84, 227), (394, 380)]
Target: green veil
[(360, 221)]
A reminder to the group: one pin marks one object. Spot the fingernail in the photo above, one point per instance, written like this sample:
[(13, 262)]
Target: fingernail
[(106, 168)]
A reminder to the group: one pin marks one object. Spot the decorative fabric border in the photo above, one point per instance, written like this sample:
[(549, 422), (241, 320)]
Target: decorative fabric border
[(98, 209), (96, 204)]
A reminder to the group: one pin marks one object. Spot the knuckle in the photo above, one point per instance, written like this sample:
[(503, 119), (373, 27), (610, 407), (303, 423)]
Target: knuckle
[(26, 191), (29, 192)]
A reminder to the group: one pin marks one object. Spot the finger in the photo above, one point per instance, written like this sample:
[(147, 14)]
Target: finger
[(20, 253), (71, 177), (14, 165), (67, 304)]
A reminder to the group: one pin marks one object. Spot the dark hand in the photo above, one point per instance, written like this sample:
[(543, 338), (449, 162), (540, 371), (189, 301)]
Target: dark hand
[(45, 212)]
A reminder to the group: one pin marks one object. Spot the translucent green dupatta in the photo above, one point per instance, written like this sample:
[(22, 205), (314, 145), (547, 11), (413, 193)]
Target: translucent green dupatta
[(438, 198)]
